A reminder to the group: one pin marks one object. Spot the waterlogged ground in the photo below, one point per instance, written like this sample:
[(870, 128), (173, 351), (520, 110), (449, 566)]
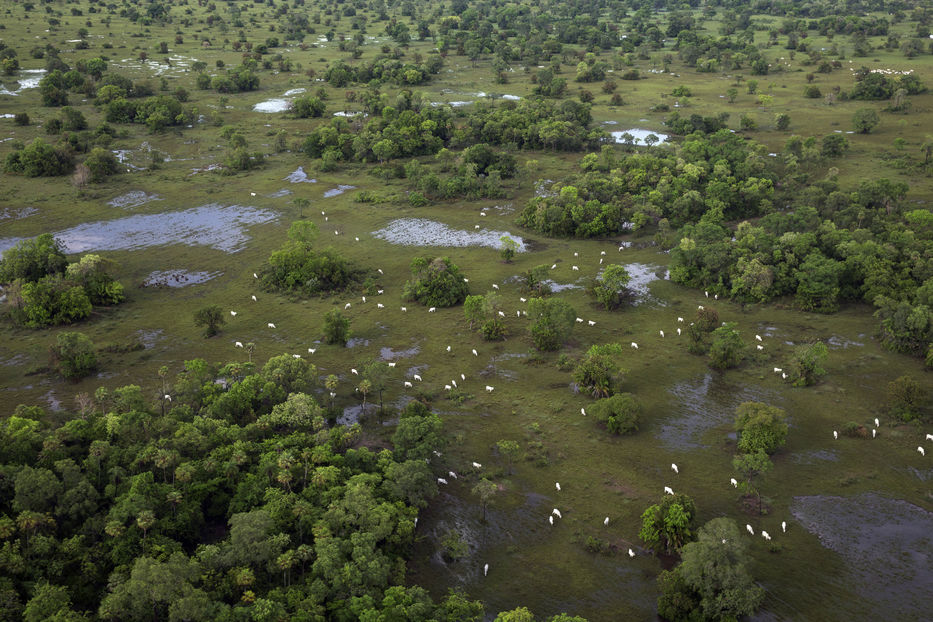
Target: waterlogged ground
[(424, 232), (221, 227), (887, 546)]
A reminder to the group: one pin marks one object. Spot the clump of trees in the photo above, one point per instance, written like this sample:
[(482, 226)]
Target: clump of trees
[(297, 269), (611, 287), (40, 159), (45, 290), (668, 525), (620, 413), (552, 321), (713, 581), (483, 311), (762, 431), (598, 373), (435, 282), (73, 355), (211, 318)]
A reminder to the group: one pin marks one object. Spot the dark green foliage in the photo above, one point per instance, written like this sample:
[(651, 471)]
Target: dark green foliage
[(101, 163), (598, 373), (818, 285), (712, 581), (806, 366), (30, 260), (552, 322), (621, 413), (760, 427), (907, 399), (727, 348), (336, 328), (834, 145), (73, 355), (39, 159), (51, 300), (299, 270), (610, 288), (211, 318), (308, 106), (435, 283), (864, 120), (668, 525)]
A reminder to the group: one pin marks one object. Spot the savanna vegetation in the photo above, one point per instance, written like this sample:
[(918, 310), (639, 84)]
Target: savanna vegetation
[(315, 310)]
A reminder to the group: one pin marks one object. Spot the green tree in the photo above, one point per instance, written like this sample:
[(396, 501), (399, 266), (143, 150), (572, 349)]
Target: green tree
[(50, 603), (761, 427), (865, 120), (552, 322), (32, 259), (73, 355), (668, 525), (621, 413), (806, 366), (727, 348), (611, 287), (597, 373), (906, 398), (435, 282), (211, 318), (712, 582), (818, 283), (751, 466), (510, 450), (101, 163), (336, 328), (486, 491), (508, 248)]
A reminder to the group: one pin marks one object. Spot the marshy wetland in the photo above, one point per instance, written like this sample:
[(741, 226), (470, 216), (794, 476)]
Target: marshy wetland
[(194, 467)]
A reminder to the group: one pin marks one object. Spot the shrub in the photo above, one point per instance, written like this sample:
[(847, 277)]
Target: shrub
[(21, 119), (761, 427), (297, 269), (211, 318), (336, 328), (552, 322), (101, 163), (39, 159), (906, 398), (30, 260), (435, 283), (620, 413), (597, 372), (806, 367), (727, 348), (73, 355), (49, 301), (611, 287)]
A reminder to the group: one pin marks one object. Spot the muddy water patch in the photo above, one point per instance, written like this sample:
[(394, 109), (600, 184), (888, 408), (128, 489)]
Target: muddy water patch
[(638, 136), (701, 404), (388, 354), (423, 232), (560, 287), (333, 192), (26, 79), (134, 198), (298, 176), (284, 192), (178, 278), (149, 337), (642, 275), (12, 213), (836, 342), (217, 226), (887, 544), (814, 456), (356, 342)]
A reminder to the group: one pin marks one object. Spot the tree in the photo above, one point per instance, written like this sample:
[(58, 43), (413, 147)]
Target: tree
[(818, 284), (750, 467), (40, 159), (727, 349), (833, 145), (906, 398), (101, 163), (211, 318), (864, 120), (50, 603), (336, 328), (552, 322), (597, 372), (611, 286), (712, 582), (510, 449), (806, 366), (508, 248), (486, 491), (73, 355), (377, 373), (761, 427), (435, 282), (30, 260), (668, 525), (782, 121), (621, 413)]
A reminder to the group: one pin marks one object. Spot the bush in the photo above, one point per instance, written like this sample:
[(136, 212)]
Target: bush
[(552, 322), (308, 106), (493, 330), (49, 301), (806, 367), (620, 413), (597, 372), (21, 119), (39, 159), (336, 328), (435, 283), (101, 163), (611, 287), (297, 269), (30, 260), (727, 348), (906, 398), (761, 427), (73, 355), (211, 318), (812, 91)]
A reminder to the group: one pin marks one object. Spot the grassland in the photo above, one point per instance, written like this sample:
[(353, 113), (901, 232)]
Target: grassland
[(688, 406)]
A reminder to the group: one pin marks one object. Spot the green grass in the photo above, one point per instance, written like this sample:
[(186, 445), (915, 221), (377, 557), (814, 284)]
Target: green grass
[(531, 563)]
